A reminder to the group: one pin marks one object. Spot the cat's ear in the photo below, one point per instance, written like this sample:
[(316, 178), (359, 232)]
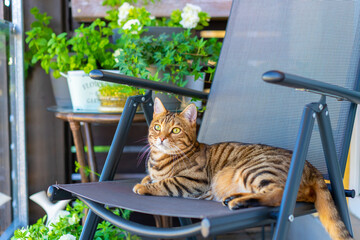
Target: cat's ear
[(158, 106), (190, 113)]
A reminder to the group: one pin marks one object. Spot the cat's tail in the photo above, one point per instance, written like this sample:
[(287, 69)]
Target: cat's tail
[(328, 214)]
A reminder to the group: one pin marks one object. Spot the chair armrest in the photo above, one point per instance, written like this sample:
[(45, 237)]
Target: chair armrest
[(55, 193), (147, 84), (289, 80)]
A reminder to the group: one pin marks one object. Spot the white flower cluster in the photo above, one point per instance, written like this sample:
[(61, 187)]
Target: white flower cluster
[(74, 219), (67, 237), (190, 16), (128, 25), (117, 53), (124, 10), (56, 219)]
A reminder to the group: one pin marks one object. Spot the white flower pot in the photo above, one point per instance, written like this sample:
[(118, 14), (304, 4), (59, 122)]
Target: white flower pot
[(83, 90)]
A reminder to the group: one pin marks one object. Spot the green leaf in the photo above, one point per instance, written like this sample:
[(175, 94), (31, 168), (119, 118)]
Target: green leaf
[(56, 74)]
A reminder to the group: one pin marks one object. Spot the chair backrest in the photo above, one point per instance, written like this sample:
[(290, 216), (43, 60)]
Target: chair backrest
[(314, 39)]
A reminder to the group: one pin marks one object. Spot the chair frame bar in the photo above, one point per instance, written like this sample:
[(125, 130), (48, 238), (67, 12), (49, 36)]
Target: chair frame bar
[(293, 181), (333, 166), (143, 230), (311, 111)]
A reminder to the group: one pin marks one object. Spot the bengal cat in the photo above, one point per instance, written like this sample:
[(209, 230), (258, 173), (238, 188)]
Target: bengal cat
[(240, 175)]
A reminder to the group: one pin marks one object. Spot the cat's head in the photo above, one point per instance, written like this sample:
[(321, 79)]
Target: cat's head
[(172, 133)]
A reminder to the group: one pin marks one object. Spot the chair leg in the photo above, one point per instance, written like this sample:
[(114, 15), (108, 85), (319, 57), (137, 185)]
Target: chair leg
[(163, 221), (184, 222), (112, 160), (90, 226), (287, 206), (333, 167)]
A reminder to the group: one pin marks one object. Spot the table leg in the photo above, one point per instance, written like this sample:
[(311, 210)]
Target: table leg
[(90, 149), (163, 221), (79, 145)]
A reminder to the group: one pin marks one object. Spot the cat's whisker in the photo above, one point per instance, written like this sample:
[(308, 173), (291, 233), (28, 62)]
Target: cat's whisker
[(146, 150), (181, 152), (142, 140)]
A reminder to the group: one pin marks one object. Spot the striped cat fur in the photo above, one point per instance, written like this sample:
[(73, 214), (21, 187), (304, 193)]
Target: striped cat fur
[(239, 175)]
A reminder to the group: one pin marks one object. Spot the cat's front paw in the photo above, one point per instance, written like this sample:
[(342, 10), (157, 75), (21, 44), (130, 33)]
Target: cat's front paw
[(141, 189), (146, 180)]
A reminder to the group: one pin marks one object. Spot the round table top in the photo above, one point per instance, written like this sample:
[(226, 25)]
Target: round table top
[(70, 114)]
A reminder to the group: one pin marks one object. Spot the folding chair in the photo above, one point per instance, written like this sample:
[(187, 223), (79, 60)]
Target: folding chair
[(313, 39)]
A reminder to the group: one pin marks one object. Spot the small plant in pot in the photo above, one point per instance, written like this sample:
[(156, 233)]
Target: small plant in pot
[(113, 97)]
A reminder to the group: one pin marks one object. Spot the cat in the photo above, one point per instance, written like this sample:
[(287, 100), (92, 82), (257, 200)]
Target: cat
[(237, 174)]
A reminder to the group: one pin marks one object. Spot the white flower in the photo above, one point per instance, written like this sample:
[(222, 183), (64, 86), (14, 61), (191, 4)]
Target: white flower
[(152, 17), (74, 219), (23, 230), (117, 53), (124, 12), (190, 16), (56, 219), (67, 237), (128, 25), (189, 20), (191, 9)]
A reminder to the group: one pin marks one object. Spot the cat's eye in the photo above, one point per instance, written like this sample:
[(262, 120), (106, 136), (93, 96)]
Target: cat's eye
[(157, 127), (176, 130)]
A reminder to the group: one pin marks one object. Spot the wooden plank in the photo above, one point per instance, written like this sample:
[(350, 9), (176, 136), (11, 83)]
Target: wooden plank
[(88, 10)]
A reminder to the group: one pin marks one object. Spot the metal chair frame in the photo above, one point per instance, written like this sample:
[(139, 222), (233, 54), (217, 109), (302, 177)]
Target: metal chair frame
[(283, 215)]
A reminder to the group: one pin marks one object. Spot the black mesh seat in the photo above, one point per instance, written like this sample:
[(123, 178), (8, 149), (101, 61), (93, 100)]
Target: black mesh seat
[(119, 194)]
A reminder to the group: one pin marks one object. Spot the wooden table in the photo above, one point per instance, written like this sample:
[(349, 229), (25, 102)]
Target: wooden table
[(78, 117)]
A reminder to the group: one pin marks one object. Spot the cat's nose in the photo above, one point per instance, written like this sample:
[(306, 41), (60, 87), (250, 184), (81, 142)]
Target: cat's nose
[(162, 139)]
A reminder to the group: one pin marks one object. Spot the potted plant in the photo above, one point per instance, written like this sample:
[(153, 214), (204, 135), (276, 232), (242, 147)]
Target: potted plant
[(179, 58), (176, 58), (74, 57)]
